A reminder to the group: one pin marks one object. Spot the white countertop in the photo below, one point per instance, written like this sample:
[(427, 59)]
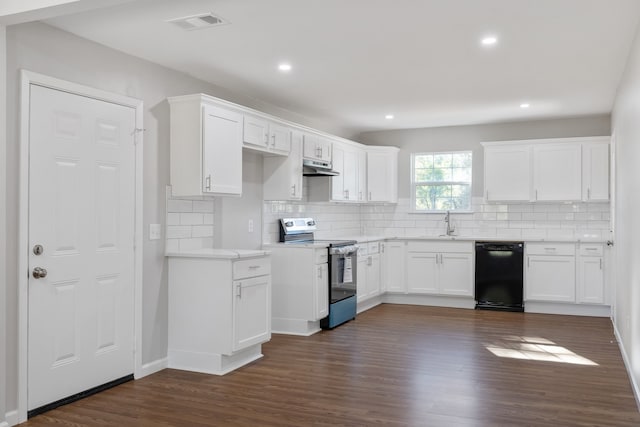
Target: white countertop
[(366, 239), (219, 253)]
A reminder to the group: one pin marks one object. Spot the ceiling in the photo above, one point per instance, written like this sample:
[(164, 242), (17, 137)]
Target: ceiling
[(355, 61)]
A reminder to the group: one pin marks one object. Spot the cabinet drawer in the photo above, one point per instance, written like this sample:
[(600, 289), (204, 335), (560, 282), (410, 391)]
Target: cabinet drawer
[(251, 267), (321, 256), (435, 246), (568, 249), (363, 251), (373, 248), (591, 250)]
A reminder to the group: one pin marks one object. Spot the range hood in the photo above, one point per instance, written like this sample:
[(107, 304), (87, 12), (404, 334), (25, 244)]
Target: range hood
[(317, 168)]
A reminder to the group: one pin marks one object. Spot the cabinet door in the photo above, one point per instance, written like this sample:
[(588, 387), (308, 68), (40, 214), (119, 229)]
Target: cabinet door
[(322, 291), (557, 172), (373, 275), (362, 175), (338, 192), (256, 131), (551, 278), (595, 172), (422, 268), (590, 280), (279, 138), (456, 274), (378, 177), (310, 146), (282, 176), (394, 267), (251, 311), (507, 173), (222, 151), (350, 171), (361, 275), (325, 147)]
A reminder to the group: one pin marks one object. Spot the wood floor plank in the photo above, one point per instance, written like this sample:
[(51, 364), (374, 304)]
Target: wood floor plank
[(395, 365)]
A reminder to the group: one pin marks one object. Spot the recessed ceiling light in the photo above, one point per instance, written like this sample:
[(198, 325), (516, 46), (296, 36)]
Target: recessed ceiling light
[(284, 67), (489, 41), (525, 105), (389, 117)]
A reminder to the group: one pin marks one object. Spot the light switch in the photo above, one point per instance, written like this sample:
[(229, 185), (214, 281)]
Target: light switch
[(155, 232)]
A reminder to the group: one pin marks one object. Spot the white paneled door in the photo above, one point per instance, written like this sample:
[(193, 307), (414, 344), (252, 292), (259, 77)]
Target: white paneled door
[(81, 236)]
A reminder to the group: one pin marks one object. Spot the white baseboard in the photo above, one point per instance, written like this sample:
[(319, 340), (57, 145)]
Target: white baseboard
[(567, 309), (431, 300), (369, 303), (627, 365), (153, 367), (11, 418)]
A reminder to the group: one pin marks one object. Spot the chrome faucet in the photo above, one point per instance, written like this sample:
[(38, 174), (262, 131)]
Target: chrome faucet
[(450, 229)]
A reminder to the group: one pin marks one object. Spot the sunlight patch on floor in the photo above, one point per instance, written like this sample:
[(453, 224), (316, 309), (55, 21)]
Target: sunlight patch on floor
[(536, 348)]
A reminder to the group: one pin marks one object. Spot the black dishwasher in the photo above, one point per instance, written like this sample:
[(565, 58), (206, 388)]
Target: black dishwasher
[(499, 276)]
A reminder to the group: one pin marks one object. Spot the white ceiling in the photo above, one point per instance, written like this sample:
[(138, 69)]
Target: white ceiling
[(356, 60)]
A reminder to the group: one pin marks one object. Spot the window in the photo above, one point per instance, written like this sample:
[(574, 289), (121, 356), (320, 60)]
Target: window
[(441, 181)]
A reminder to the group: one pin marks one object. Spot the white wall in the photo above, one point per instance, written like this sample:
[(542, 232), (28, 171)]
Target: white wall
[(3, 210), (460, 138), (626, 128), (44, 49)]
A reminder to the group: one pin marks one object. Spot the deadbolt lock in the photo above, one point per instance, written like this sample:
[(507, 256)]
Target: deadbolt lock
[(38, 249)]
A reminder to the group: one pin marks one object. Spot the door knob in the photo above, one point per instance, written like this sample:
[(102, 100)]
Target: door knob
[(39, 273)]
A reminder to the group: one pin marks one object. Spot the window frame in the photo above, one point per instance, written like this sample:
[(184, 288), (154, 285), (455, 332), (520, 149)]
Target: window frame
[(413, 184)]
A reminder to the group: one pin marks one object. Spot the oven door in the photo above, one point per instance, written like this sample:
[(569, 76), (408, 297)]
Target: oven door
[(343, 264)]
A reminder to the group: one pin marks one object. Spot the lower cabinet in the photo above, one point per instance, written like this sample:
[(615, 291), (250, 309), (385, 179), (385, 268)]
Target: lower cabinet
[(369, 271), (591, 286), (550, 272), (219, 312), (442, 268), (393, 267), (300, 288)]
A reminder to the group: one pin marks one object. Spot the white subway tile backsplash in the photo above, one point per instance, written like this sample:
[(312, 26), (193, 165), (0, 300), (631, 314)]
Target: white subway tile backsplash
[(191, 219), (178, 231), (202, 231), (205, 206), (173, 219), (176, 205)]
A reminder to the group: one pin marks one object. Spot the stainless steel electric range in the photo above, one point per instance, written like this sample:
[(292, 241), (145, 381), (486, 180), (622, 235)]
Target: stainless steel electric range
[(342, 268)]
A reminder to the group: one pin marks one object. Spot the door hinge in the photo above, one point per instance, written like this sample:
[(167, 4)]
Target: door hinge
[(135, 133)]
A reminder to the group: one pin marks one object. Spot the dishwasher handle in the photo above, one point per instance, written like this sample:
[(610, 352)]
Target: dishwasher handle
[(500, 246)]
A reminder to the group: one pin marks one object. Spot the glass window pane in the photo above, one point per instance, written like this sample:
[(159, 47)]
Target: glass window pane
[(423, 175), (462, 160), (443, 174), (433, 175), (443, 160), (461, 175), (424, 161)]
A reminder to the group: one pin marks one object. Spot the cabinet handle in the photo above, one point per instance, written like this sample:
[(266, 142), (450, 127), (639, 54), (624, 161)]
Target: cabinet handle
[(319, 273), (266, 139), (253, 267), (588, 193), (360, 195), (369, 260), (320, 152), (239, 290), (207, 183), (487, 196), (441, 260), (382, 248), (273, 140), (549, 249), (590, 249), (528, 262), (293, 190), (536, 194), (369, 195), (600, 263)]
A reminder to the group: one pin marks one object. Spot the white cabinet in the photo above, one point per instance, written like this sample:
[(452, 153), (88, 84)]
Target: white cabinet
[(443, 268), (362, 175), (205, 147), (382, 174), (282, 176), (595, 171), (369, 271), (507, 173), (300, 288), (344, 186), (219, 312), (550, 272), (591, 285), (549, 170), (266, 136), (393, 267), (557, 172), (316, 147)]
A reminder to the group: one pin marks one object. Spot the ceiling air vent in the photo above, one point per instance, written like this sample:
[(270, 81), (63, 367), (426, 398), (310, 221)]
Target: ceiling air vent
[(197, 22)]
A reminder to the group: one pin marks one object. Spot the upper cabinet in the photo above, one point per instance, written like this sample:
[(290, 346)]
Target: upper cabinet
[(563, 169), (382, 174), (205, 147), (344, 186), (282, 176), (507, 161), (557, 172), (595, 171), (266, 136), (316, 147)]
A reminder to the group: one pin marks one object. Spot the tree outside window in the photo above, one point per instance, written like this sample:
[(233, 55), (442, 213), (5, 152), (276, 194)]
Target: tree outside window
[(441, 181)]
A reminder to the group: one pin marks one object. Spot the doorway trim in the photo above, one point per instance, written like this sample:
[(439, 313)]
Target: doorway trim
[(27, 78)]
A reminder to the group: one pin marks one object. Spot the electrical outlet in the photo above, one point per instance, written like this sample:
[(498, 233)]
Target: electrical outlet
[(155, 232), (250, 227)]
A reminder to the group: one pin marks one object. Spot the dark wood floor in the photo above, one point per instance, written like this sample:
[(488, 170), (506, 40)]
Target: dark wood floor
[(395, 366)]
